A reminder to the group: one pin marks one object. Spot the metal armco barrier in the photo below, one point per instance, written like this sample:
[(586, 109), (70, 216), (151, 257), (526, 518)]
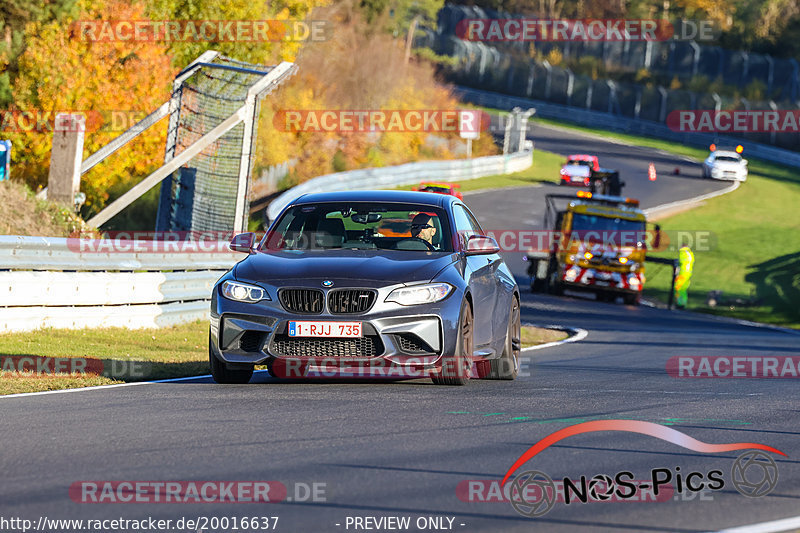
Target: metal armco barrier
[(54, 282), (410, 173)]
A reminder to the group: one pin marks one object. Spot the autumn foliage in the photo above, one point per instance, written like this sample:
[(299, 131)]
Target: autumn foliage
[(359, 66)]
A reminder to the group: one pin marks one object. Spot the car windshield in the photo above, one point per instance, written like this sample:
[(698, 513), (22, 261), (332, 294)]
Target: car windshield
[(586, 223), (728, 158), (579, 162), (435, 188), (361, 226)]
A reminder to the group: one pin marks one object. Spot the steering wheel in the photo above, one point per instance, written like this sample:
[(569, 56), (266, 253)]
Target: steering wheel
[(429, 245)]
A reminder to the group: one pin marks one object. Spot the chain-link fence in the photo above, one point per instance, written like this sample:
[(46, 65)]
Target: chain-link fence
[(201, 195), (512, 71)]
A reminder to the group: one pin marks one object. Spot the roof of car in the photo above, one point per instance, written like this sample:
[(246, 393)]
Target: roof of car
[(439, 184), (412, 197), (581, 156)]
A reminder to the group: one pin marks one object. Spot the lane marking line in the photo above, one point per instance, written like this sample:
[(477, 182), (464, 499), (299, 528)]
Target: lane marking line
[(113, 386)]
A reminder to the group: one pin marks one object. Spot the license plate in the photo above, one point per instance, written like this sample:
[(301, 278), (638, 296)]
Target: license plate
[(325, 329)]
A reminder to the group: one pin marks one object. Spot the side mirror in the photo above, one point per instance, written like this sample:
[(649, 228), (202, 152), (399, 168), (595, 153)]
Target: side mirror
[(243, 242), (481, 245)]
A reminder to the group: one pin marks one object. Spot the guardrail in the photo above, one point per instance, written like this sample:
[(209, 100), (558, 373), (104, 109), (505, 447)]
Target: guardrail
[(385, 177), (77, 283), (609, 121), (69, 283)]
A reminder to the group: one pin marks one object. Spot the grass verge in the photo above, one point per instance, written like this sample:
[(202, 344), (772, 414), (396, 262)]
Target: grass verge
[(532, 336), (101, 356)]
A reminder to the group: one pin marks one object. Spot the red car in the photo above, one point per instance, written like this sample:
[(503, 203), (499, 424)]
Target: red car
[(441, 187), (578, 169)]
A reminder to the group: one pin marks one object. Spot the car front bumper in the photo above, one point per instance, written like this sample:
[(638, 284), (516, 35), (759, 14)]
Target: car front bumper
[(590, 278), (414, 338)]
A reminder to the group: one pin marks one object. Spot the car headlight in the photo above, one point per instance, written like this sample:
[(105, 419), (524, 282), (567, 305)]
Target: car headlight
[(421, 294), (243, 292), (571, 274)]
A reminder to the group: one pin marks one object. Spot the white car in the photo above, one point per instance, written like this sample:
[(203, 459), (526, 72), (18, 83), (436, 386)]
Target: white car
[(725, 165)]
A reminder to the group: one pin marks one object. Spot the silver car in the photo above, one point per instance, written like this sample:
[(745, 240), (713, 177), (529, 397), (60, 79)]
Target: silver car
[(368, 284)]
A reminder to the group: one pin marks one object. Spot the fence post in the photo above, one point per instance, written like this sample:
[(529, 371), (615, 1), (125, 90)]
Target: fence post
[(530, 81), (637, 106), (612, 95), (662, 113), (696, 58), (589, 92), (648, 54), (64, 179), (570, 86), (773, 133), (770, 73), (547, 82)]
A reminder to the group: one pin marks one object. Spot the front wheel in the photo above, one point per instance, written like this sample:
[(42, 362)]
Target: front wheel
[(456, 369), (507, 366), (222, 374), (631, 299)]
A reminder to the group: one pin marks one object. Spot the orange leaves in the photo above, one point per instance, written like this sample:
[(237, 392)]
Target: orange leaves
[(118, 81)]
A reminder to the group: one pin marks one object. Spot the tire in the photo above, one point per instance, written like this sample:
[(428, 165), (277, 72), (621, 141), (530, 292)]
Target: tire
[(456, 369), (631, 299), (222, 374), (507, 366), (554, 285), (538, 285)]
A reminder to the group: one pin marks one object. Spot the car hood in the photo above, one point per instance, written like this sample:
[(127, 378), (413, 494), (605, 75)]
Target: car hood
[(381, 268)]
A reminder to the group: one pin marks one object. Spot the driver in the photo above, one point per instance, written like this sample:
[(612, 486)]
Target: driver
[(423, 228)]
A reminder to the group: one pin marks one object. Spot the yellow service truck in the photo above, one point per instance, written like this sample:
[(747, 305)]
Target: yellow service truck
[(598, 243)]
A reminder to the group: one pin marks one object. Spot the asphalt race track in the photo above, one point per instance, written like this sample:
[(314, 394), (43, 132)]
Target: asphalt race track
[(409, 449)]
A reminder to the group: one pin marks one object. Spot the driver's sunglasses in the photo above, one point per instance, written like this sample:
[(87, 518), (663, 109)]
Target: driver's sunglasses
[(422, 226)]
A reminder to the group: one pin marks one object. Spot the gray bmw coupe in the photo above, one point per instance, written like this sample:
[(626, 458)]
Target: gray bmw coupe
[(368, 284)]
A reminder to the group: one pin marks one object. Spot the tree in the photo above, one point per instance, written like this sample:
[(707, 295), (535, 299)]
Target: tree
[(14, 16), (99, 77)]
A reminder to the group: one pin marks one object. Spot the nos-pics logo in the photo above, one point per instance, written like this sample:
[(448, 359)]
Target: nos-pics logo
[(533, 493)]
